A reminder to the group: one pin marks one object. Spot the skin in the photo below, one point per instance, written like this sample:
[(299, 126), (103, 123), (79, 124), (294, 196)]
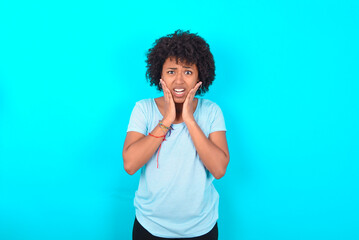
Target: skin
[(213, 151)]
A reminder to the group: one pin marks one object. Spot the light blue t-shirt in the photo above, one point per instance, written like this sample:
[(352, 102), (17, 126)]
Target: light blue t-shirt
[(177, 199)]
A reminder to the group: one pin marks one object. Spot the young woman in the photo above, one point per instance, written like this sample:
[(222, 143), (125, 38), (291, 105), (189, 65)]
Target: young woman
[(179, 143)]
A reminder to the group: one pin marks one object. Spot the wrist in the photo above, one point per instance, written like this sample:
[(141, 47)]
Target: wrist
[(166, 122), (189, 121)]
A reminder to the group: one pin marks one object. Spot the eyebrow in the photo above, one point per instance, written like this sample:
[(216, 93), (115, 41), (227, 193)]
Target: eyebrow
[(176, 68)]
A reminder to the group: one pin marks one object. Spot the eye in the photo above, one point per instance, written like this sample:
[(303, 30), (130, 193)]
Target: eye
[(188, 72), (170, 72)]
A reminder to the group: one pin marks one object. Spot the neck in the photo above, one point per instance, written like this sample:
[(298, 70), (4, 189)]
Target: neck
[(179, 107)]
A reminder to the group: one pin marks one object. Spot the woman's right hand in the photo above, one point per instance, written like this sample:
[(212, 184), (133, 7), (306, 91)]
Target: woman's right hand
[(170, 108)]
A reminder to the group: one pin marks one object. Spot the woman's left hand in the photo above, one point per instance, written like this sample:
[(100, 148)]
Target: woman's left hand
[(187, 111)]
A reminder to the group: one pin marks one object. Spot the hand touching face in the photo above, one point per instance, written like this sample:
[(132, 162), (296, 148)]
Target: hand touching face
[(188, 105), (170, 108), (180, 78)]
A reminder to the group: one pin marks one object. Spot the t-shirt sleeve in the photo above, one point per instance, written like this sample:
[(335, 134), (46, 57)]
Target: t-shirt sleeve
[(217, 121), (138, 119)]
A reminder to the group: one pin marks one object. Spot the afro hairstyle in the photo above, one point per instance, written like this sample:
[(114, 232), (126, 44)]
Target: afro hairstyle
[(185, 47)]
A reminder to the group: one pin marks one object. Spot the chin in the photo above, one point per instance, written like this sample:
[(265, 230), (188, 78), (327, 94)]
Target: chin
[(179, 100)]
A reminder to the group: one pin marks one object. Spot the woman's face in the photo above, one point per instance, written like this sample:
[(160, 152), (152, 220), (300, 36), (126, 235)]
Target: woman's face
[(179, 77)]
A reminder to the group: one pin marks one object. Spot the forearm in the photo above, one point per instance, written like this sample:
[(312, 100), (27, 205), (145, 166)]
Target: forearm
[(213, 158), (140, 152)]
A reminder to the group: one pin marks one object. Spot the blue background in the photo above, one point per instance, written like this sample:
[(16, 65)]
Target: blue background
[(287, 82)]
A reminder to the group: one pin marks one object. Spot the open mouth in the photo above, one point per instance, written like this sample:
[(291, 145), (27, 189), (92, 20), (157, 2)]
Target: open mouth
[(179, 92)]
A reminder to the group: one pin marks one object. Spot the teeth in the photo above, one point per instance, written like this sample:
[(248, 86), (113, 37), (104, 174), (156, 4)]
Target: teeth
[(179, 90)]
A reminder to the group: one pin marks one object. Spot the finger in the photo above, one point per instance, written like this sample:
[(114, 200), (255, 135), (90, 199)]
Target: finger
[(163, 84), (167, 93), (197, 86), (170, 95), (190, 96), (165, 90), (193, 91)]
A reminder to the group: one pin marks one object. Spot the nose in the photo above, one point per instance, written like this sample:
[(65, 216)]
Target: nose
[(179, 78)]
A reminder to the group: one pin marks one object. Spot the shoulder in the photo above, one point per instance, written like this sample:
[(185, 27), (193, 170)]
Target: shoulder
[(144, 106), (208, 105), (144, 103), (210, 117)]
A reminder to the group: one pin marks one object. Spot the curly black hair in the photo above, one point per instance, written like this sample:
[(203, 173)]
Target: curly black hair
[(185, 47)]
